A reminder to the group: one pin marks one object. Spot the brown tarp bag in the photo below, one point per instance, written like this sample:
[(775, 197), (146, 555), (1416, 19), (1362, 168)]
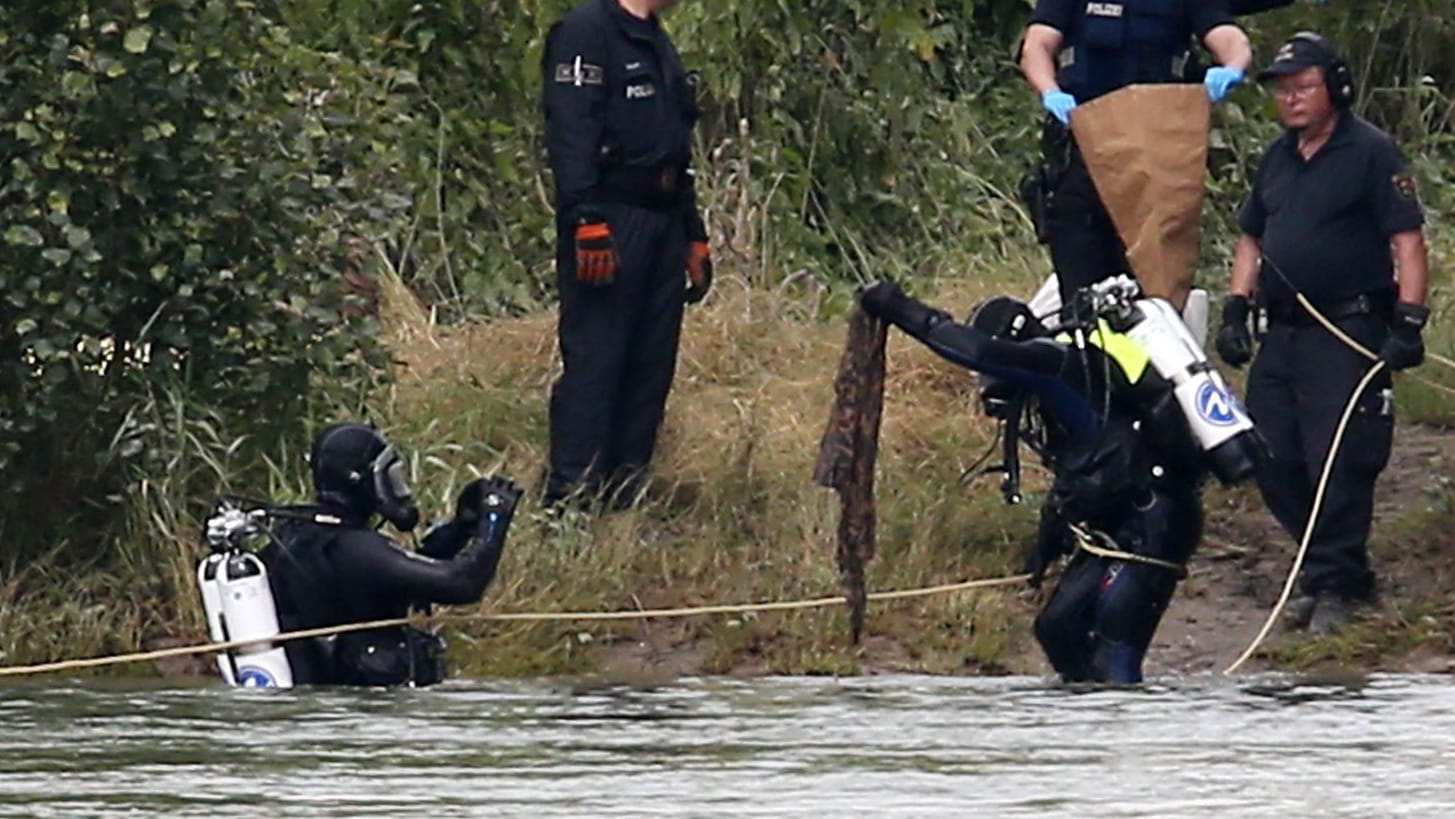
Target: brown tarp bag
[(1146, 147)]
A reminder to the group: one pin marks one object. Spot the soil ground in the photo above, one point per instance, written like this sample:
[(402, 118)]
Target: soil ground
[(1234, 582), (1245, 558)]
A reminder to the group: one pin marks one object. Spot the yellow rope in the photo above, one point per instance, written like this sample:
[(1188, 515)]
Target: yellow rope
[(1313, 517), (1086, 540), (1370, 354), (1328, 466), (643, 614)]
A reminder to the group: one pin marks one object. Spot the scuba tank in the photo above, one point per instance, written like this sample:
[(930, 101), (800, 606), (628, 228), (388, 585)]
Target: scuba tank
[(212, 606), (248, 613), (1214, 414), (239, 603)]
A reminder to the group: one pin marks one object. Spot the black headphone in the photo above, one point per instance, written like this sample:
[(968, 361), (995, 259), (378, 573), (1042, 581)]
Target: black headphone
[(1337, 76)]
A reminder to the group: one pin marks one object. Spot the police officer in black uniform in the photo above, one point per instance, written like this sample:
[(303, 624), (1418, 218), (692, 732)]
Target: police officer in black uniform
[(620, 110), (329, 567), (1075, 51), (1333, 215)]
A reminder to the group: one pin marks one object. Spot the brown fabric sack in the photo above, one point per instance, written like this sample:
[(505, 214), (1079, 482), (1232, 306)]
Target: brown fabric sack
[(1146, 147)]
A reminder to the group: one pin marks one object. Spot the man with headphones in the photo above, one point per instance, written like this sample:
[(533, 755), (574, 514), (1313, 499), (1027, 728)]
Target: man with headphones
[(1333, 217)]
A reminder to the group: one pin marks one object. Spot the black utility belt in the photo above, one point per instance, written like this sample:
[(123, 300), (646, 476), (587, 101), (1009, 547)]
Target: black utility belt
[(657, 188), (1364, 304)]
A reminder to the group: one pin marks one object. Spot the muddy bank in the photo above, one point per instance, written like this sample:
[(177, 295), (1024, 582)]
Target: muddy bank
[(1234, 581)]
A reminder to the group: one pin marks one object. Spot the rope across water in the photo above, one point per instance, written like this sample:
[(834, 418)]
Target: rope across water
[(548, 616)]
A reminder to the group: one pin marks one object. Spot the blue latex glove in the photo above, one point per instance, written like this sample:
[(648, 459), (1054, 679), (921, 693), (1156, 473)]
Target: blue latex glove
[(1059, 104), (1220, 80)]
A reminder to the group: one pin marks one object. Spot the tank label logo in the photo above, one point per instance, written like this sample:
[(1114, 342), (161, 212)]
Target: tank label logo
[(254, 677), (1216, 406)]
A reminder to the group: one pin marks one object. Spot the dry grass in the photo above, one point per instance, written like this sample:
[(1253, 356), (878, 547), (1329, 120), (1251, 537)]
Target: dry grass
[(731, 514)]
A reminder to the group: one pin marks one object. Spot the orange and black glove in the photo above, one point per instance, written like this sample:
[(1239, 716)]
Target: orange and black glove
[(699, 272), (595, 254), (699, 259)]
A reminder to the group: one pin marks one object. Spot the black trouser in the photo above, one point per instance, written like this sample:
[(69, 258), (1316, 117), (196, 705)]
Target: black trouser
[(1297, 390), (1104, 612), (1085, 246), (618, 352)]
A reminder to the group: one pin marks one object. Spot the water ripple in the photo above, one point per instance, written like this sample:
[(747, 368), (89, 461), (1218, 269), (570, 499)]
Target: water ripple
[(789, 747)]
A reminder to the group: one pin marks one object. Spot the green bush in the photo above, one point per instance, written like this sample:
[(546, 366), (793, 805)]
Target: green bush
[(178, 197), (841, 140)]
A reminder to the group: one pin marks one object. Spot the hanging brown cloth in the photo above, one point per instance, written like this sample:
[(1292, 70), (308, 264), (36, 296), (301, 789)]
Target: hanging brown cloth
[(1146, 147), (847, 452)]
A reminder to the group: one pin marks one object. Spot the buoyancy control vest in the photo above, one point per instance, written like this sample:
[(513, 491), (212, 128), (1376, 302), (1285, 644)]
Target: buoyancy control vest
[(310, 594)]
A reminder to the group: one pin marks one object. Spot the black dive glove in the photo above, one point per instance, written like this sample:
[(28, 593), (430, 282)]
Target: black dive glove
[(486, 505), (887, 300), (1405, 347), (1234, 341)]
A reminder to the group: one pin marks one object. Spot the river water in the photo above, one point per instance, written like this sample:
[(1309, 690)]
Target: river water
[(780, 747)]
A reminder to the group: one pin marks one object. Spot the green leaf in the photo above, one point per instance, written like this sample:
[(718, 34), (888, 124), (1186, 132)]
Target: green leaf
[(24, 236), (77, 237), (137, 40)]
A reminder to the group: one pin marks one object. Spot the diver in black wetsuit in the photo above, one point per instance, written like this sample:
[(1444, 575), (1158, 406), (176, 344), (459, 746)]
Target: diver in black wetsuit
[(1125, 501), (329, 567)]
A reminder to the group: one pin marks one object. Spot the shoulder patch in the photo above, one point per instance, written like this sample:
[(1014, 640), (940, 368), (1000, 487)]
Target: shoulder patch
[(1404, 184), (579, 73)]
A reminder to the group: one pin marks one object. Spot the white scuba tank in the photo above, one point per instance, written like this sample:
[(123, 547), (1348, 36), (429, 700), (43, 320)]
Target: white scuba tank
[(207, 583), (1216, 416), (248, 613)]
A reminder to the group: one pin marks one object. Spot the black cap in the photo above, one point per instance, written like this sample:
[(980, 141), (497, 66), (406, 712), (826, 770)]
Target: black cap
[(1303, 50)]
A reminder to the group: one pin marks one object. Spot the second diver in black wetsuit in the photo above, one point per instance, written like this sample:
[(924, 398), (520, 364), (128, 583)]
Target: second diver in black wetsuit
[(329, 567), (1128, 462)]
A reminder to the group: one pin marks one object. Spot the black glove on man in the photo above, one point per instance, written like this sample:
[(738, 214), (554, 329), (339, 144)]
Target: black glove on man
[(888, 301), (1234, 341), (1405, 347), (487, 504)]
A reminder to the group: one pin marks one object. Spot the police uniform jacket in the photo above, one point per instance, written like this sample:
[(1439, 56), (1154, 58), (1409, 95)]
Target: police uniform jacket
[(1108, 45), (619, 109)]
